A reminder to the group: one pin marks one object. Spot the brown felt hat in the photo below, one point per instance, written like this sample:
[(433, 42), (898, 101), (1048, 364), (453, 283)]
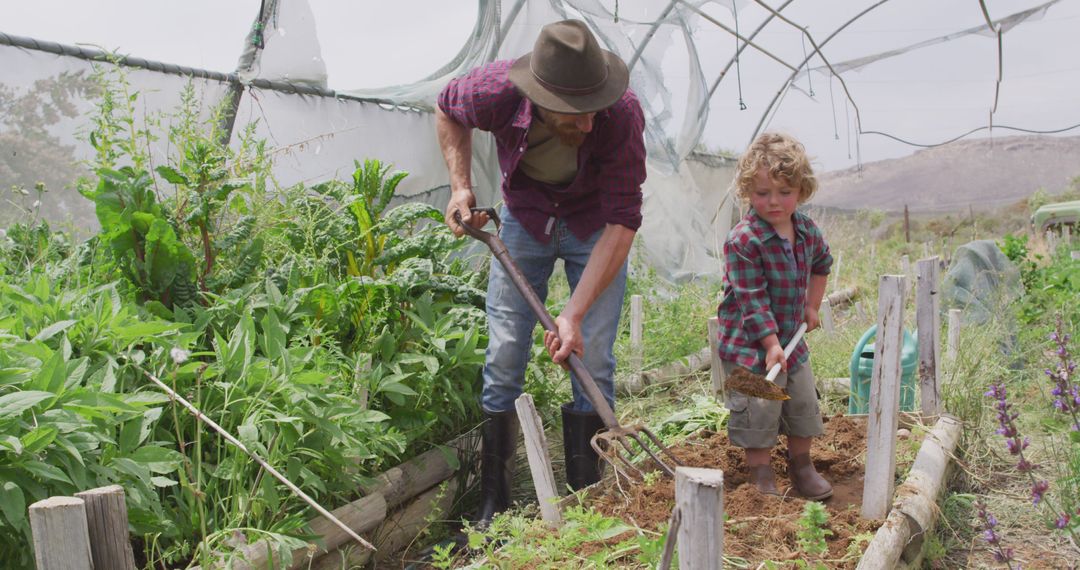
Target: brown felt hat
[(568, 72)]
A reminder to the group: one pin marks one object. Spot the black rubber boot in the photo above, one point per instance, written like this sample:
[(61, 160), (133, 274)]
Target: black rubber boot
[(499, 436), (583, 464)]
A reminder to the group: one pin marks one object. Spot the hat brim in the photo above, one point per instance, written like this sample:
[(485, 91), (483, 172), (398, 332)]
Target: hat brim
[(607, 95)]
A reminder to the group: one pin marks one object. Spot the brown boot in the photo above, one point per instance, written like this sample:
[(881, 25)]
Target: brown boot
[(762, 477), (806, 480)]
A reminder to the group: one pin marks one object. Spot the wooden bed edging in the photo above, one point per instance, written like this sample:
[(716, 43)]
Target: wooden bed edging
[(899, 542)]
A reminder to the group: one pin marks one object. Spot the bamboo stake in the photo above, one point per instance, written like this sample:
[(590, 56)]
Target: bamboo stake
[(311, 502)]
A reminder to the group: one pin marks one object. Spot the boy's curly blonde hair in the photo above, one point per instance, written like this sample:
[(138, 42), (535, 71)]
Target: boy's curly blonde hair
[(784, 158)]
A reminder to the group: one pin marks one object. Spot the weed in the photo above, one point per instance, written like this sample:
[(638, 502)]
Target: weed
[(813, 532)]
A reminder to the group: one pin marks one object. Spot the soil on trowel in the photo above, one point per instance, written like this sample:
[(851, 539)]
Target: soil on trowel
[(761, 527), (742, 380)]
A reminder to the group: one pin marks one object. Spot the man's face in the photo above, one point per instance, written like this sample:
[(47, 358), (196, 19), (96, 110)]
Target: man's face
[(570, 129)]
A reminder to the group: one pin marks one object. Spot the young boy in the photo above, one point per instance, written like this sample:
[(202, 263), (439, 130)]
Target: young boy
[(776, 267)]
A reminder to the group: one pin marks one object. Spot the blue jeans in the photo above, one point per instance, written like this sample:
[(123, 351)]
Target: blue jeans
[(511, 322)]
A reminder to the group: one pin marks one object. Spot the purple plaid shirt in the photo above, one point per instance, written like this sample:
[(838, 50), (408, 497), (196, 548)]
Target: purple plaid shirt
[(611, 162), (765, 283)]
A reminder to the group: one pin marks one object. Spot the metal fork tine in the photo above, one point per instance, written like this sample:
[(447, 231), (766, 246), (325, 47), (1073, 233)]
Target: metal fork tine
[(649, 451), (660, 445)]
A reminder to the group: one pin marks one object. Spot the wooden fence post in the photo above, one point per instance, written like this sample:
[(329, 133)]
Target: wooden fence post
[(699, 497), (953, 347), (539, 463), (826, 316), (884, 400), (716, 368), (107, 521), (927, 316), (61, 538), (637, 347), (860, 311)]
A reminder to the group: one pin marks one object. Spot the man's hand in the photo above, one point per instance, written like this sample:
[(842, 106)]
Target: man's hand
[(813, 320), (460, 201), (567, 340), (773, 355)]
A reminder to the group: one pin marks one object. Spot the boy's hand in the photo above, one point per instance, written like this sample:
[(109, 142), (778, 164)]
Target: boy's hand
[(813, 320), (773, 355)]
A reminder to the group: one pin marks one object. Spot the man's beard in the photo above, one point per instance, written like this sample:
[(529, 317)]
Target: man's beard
[(570, 137)]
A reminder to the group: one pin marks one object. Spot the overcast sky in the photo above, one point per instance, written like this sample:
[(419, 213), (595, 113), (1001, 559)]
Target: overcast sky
[(925, 96)]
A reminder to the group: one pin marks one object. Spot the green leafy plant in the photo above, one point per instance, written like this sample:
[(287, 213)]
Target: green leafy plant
[(812, 531)]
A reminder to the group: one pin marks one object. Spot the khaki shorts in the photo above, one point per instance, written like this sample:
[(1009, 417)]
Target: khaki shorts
[(754, 423)]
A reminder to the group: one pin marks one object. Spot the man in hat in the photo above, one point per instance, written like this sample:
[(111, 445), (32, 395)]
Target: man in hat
[(572, 155)]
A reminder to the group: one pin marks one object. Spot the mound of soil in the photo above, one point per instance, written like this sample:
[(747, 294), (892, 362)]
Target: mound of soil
[(761, 527)]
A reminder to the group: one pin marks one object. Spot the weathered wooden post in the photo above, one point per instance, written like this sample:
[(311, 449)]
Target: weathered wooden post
[(860, 311), (1051, 242), (637, 345), (539, 463), (1066, 234), (716, 368), (884, 400), (826, 316), (699, 497), (953, 347), (927, 316), (61, 537), (107, 521)]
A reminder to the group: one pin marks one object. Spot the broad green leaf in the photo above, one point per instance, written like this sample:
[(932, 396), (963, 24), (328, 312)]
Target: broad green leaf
[(157, 459), (52, 330), (12, 405), (45, 471), (39, 438), (13, 443), (13, 504), (396, 388), (273, 338), (430, 362), (159, 481), (51, 376), (143, 331)]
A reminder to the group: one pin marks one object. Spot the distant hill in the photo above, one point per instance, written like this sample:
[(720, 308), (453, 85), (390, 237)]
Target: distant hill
[(982, 173)]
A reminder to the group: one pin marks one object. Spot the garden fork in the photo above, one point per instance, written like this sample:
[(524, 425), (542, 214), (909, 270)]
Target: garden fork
[(606, 443)]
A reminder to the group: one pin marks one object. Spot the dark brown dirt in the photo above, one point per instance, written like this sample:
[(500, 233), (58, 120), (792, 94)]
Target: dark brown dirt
[(746, 382), (761, 527)]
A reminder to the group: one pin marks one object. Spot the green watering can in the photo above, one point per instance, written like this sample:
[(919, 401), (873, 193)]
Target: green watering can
[(862, 369)]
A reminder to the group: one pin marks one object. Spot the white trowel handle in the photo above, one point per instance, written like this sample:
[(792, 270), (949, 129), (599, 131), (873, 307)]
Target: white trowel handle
[(771, 377)]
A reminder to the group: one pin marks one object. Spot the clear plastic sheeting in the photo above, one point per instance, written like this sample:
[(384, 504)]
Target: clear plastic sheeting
[(884, 76), (46, 106)]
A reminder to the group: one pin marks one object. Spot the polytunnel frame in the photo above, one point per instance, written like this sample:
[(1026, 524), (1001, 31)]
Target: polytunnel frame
[(238, 83)]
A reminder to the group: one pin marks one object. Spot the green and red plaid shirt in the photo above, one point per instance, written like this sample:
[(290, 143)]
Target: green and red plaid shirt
[(765, 283)]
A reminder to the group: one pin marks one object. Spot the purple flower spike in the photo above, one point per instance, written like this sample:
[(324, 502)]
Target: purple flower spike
[(1062, 520), (1037, 491)]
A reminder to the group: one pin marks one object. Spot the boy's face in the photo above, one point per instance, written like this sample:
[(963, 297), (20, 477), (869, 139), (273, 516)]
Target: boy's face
[(773, 199)]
